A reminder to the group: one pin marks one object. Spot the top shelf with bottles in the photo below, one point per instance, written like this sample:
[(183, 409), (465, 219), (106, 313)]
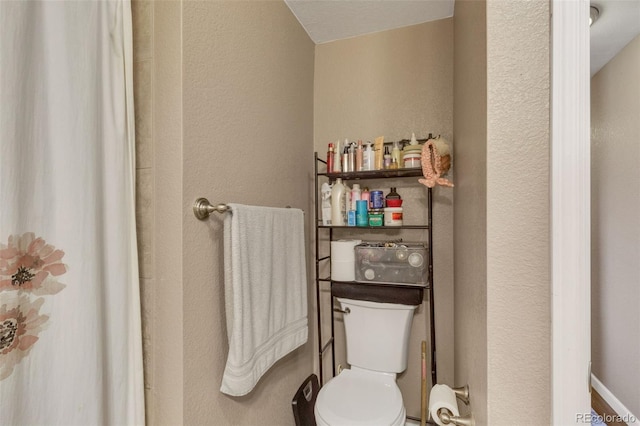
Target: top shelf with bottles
[(413, 169)]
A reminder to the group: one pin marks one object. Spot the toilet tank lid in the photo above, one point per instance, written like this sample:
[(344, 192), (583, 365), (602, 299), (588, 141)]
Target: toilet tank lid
[(377, 305)]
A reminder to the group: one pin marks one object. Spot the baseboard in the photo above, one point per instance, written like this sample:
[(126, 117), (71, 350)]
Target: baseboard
[(626, 415)]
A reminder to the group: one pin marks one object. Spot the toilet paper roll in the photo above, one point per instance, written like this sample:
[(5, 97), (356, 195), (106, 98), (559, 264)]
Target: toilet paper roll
[(343, 260), (442, 396), (342, 250), (343, 271)]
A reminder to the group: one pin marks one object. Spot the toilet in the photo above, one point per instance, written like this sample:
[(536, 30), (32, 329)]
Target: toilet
[(377, 336)]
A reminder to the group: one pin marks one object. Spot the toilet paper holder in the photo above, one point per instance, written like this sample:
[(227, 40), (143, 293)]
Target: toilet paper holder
[(447, 417), (462, 393)]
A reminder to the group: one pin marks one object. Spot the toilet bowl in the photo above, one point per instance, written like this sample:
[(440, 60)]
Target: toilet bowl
[(359, 397), (377, 336)]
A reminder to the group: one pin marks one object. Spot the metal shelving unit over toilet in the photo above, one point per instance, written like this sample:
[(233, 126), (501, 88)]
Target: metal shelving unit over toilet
[(365, 175)]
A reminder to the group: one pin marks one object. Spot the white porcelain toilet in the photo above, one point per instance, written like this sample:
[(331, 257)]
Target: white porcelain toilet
[(377, 336)]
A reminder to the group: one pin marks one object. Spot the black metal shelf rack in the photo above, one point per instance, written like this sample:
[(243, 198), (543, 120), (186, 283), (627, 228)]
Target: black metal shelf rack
[(336, 285)]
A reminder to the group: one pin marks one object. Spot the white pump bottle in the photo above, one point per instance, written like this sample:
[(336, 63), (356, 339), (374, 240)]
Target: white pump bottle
[(337, 203)]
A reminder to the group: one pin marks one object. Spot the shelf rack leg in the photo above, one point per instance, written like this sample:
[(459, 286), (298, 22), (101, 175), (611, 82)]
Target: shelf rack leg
[(432, 324), (317, 246), (333, 334)]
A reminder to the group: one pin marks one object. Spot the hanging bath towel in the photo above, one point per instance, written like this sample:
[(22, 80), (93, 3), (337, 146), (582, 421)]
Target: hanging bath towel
[(265, 291)]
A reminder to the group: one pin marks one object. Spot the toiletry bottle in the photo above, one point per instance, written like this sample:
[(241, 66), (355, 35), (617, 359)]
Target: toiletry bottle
[(378, 152), (413, 141), (356, 195), (411, 146), (330, 159), (396, 154), (411, 153), (387, 158), (347, 196), (351, 218), (326, 203), (392, 195), (359, 157), (347, 203), (393, 209), (352, 157), (376, 200), (394, 164), (366, 195), (345, 159), (337, 203), (337, 158), (362, 213), (367, 158)]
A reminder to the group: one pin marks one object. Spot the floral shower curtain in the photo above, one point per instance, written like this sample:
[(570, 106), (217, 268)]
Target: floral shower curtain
[(70, 334)]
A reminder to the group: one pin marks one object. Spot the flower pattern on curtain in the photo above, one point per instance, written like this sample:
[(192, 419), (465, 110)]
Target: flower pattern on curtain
[(29, 267)]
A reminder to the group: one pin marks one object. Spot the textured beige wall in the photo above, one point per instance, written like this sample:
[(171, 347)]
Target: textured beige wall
[(393, 83), (248, 130), (158, 96), (167, 392), (224, 99), (470, 199), (518, 246), (142, 15), (502, 224), (615, 229), (237, 78), (157, 86)]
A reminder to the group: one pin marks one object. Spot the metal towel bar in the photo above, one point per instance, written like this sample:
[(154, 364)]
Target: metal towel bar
[(202, 208)]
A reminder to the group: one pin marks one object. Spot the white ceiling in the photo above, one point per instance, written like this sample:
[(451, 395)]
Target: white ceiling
[(618, 24), (329, 20)]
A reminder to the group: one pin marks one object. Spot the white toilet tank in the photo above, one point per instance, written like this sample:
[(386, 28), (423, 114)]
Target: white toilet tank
[(377, 334)]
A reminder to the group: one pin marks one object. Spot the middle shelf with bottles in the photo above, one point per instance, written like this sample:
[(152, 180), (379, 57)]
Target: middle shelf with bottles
[(359, 206)]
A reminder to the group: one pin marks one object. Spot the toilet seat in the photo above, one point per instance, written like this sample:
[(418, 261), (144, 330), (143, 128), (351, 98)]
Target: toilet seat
[(356, 397)]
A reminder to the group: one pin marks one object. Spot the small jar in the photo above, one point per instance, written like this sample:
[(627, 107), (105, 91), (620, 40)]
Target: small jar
[(376, 200), (393, 216), (412, 161), (376, 217)]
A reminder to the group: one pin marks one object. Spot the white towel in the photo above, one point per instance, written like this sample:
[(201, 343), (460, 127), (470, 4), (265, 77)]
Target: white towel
[(265, 291)]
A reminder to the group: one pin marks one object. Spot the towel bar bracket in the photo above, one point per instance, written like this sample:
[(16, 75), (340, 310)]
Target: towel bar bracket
[(202, 208)]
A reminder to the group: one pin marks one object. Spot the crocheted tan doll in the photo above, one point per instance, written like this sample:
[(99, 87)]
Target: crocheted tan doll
[(434, 165)]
